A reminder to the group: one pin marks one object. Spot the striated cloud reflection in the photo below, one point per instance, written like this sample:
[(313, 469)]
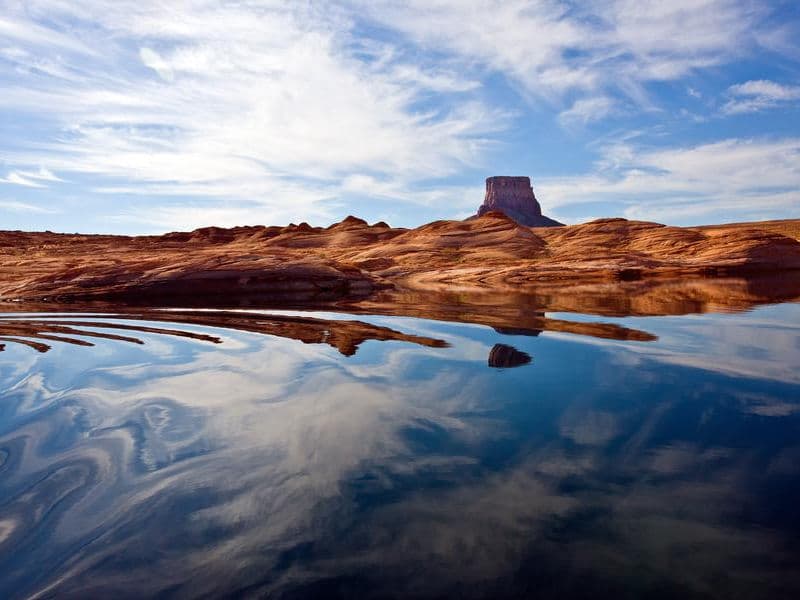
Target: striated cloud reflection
[(266, 467)]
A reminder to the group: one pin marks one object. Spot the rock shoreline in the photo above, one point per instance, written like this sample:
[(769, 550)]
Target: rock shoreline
[(353, 260)]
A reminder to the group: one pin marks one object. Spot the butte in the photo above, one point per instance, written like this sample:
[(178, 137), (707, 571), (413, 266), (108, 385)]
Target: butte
[(514, 197)]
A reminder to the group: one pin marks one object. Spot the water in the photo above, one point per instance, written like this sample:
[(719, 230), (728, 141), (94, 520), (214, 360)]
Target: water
[(205, 455)]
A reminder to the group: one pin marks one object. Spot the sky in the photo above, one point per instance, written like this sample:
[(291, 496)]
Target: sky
[(146, 116)]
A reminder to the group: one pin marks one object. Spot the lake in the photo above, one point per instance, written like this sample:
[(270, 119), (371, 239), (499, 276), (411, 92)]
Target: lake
[(294, 454)]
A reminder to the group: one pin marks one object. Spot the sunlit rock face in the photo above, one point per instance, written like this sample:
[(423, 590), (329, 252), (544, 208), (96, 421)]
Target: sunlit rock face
[(514, 197)]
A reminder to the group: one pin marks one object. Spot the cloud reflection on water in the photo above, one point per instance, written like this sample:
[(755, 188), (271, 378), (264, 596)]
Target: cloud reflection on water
[(268, 466)]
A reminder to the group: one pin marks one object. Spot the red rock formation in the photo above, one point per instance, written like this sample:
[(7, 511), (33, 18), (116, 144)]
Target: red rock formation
[(513, 196), (353, 259)]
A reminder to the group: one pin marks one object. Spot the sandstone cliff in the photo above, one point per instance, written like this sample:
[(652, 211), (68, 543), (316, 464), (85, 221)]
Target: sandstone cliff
[(514, 197)]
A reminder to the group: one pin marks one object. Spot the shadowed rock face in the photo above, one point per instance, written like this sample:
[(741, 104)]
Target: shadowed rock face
[(513, 196), (504, 357)]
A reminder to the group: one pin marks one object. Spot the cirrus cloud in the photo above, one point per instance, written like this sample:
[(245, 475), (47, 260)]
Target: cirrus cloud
[(163, 116), (760, 94)]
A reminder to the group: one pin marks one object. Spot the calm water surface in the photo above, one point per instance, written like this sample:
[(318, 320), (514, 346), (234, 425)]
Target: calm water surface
[(238, 463)]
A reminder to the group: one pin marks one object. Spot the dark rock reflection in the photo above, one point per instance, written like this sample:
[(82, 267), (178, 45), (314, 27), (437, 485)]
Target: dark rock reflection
[(344, 335)]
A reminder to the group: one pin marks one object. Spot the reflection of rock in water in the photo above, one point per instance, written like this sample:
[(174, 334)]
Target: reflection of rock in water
[(518, 331), (345, 336), (523, 330), (507, 356)]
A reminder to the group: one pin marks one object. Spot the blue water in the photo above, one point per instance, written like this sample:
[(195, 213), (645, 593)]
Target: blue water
[(263, 466)]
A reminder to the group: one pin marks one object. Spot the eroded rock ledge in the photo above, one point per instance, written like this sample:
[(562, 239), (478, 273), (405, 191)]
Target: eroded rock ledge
[(353, 260)]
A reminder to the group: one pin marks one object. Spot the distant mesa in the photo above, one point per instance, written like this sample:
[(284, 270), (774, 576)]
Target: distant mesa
[(513, 196)]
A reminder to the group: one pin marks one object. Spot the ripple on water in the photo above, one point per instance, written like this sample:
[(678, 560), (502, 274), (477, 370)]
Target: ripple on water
[(409, 469)]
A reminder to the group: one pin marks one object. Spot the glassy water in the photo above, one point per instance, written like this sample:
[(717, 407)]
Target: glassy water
[(299, 455)]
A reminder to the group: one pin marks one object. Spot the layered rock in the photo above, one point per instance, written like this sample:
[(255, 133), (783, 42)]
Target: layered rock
[(514, 197), (354, 260)]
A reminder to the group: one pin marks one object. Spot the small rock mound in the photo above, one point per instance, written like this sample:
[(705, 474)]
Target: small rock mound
[(503, 356), (349, 221)]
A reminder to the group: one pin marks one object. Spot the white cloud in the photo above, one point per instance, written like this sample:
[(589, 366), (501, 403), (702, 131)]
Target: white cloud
[(41, 174), (760, 94), (586, 110), (435, 81), (743, 177), (250, 103), (770, 89), (454, 196), (518, 38), (24, 31), (30, 178), (184, 217), (550, 48), (24, 207), (265, 110), (153, 60), (15, 178)]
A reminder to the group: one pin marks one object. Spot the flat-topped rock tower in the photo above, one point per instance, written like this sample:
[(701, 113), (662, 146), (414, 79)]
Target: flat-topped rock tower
[(514, 197)]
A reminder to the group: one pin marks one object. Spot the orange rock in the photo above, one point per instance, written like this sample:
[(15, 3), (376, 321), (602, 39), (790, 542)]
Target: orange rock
[(352, 259)]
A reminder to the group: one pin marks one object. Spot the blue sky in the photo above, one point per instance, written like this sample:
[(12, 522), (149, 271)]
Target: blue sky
[(144, 116)]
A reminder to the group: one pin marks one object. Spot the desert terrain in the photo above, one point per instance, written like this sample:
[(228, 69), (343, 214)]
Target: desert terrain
[(353, 260)]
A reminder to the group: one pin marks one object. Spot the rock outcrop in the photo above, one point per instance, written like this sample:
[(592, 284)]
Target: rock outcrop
[(354, 260), (503, 356), (514, 197)]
